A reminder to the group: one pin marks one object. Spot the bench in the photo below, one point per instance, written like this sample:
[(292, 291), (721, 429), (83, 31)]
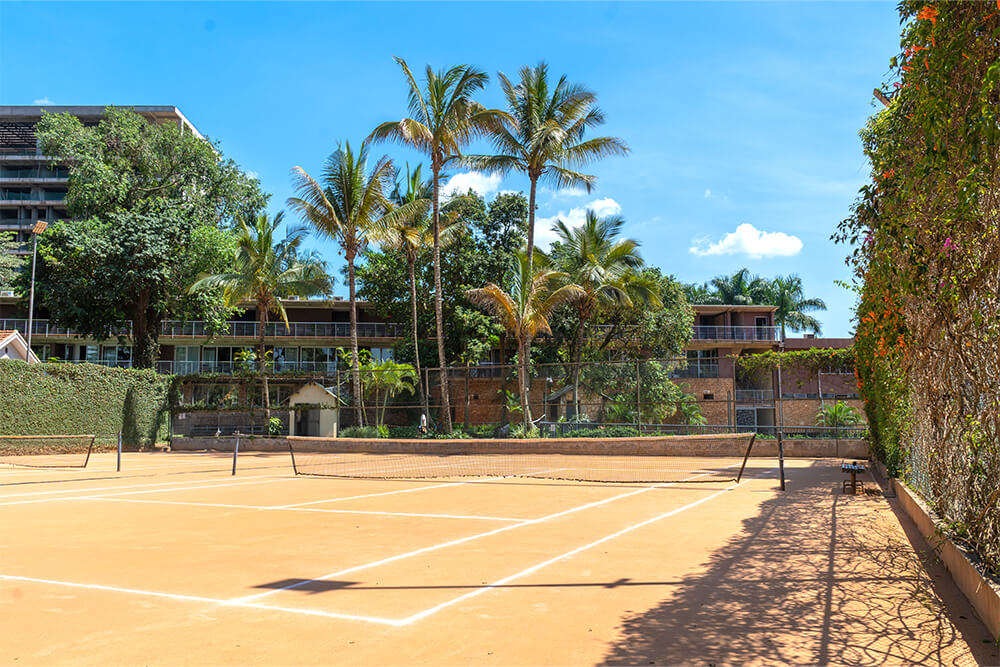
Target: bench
[(853, 483)]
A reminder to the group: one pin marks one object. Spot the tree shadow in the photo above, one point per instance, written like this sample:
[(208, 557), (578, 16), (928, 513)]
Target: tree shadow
[(816, 577)]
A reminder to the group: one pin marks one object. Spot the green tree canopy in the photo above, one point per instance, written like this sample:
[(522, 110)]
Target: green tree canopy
[(151, 206)]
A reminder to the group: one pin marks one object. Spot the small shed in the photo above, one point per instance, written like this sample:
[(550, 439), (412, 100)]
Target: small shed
[(13, 346), (319, 414)]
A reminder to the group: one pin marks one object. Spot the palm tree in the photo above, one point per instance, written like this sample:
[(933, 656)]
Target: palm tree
[(546, 140), (741, 289), (525, 311), (411, 235), (787, 294), (838, 416), (605, 268), (263, 271), (348, 204), (443, 120)]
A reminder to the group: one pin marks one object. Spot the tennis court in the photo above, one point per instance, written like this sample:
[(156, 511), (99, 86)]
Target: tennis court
[(174, 560)]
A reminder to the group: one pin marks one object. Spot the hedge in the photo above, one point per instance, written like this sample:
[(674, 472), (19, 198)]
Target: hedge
[(70, 399)]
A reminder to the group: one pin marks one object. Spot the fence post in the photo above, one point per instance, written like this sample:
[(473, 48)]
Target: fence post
[(781, 427), (236, 450), (118, 466), (638, 401)]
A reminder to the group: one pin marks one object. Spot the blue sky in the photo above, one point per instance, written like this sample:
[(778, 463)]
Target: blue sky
[(742, 117)]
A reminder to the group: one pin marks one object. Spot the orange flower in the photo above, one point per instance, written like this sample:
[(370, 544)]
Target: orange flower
[(929, 13)]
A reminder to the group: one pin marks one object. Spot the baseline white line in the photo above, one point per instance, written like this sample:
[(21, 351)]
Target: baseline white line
[(300, 509), (461, 540), (259, 480), (198, 598), (572, 552)]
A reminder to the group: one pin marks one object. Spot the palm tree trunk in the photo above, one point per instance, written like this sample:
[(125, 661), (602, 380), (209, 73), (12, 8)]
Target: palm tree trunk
[(504, 374), (531, 226), (438, 313), (422, 396), (577, 356), (525, 382), (355, 370), (261, 366)]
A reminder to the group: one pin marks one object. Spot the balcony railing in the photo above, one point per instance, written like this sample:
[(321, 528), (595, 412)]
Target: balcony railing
[(228, 367), (762, 334), (46, 328), (755, 395), (198, 329), (697, 369), (243, 330)]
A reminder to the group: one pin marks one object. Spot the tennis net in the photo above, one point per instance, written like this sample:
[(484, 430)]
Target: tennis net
[(46, 451), (700, 458)]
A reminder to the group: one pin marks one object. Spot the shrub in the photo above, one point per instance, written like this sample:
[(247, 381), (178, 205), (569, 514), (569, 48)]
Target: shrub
[(47, 399), (368, 432), (605, 432)]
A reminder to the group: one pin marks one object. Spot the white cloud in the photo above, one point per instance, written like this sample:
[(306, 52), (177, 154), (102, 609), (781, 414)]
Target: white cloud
[(708, 193), (43, 101), (544, 236), (482, 184), (750, 241)]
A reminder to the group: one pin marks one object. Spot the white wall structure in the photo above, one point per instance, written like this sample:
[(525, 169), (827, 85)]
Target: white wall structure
[(13, 346), (320, 421)]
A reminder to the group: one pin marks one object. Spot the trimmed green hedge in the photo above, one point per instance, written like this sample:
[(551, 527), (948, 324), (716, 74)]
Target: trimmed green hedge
[(70, 399)]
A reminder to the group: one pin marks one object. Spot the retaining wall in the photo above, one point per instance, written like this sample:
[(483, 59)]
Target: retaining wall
[(685, 445)]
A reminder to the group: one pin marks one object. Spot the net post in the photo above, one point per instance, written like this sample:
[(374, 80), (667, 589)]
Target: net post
[(746, 457), (236, 450), (291, 452), (90, 448), (118, 464), (781, 460)]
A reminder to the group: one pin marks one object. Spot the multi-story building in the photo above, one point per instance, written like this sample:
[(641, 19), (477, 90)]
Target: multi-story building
[(32, 188)]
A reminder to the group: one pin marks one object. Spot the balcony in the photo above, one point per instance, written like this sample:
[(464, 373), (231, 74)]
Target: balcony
[(765, 334), (251, 330), (755, 396), (229, 367), (45, 328), (237, 330), (697, 369)]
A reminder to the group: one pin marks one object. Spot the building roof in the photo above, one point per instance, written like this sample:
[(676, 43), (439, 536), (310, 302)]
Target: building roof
[(15, 338), (156, 113), (719, 308)]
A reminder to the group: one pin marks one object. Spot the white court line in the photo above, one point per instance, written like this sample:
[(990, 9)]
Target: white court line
[(259, 480), (386, 493), (199, 598), (461, 540), (245, 603), (301, 509), (572, 552), (176, 483)]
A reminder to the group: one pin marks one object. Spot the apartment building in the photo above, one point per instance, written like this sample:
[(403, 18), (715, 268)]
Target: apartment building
[(32, 188)]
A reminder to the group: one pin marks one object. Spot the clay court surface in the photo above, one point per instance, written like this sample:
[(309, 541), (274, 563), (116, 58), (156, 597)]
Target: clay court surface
[(175, 562)]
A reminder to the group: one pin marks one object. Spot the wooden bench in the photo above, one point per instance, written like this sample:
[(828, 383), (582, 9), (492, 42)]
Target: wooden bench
[(853, 467)]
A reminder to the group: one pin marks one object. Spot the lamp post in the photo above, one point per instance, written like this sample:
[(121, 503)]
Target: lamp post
[(35, 231)]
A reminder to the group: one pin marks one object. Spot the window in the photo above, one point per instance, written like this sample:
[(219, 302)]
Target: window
[(286, 358), (186, 358)]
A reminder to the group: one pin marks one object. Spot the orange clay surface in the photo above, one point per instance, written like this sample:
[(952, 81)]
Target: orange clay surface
[(175, 562)]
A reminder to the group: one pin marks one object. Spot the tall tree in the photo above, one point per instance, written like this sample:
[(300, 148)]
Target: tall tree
[(152, 204), (741, 289), (606, 269), (524, 313), (787, 294), (546, 139), (264, 270), (349, 204), (443, 120), (410, 235)]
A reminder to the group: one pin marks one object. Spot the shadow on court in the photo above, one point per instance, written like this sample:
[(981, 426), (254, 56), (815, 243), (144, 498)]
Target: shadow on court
[(816, 577)]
